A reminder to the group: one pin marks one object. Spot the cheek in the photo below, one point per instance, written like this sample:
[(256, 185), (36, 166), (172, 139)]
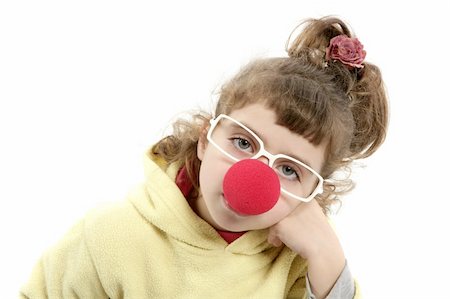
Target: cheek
[(212, 172)]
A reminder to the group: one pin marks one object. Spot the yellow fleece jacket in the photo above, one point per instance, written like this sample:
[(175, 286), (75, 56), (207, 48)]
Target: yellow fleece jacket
[(154, 246)]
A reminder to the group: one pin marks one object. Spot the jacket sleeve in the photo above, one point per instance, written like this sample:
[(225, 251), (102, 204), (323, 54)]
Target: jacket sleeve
[(65, 271), (344, 288)]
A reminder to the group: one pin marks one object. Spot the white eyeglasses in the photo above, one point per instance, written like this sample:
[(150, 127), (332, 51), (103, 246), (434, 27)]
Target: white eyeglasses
[(238, 142)]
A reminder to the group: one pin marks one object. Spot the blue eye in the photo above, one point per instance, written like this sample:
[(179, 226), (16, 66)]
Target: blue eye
[(289, 172), (242, 143)]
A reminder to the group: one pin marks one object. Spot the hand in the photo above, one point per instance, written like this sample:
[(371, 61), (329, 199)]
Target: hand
[(307, 232)]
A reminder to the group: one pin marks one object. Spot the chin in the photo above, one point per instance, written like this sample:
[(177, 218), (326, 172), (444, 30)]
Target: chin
[(236, 224), (226, 223)]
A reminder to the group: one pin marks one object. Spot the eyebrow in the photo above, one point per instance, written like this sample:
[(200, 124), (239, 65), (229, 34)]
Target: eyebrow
[(260, 136)]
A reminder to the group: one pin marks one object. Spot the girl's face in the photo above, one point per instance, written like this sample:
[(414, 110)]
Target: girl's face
[(211, 204)]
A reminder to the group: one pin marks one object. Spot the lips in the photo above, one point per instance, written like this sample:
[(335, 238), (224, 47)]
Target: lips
[(228, 207)]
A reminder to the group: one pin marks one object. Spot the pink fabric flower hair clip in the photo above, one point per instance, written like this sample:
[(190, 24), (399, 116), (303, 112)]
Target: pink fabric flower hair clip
[(347, 50)]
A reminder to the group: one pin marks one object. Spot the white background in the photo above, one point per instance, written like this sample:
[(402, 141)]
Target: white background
[(87, 86)]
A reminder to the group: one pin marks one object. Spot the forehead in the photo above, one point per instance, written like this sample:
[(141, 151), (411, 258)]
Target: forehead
[(279, 139)]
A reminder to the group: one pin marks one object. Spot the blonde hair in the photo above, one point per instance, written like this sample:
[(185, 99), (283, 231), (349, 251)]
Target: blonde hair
[(323, 102)]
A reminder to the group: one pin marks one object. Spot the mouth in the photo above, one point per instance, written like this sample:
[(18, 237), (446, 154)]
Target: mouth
[(228, 207)]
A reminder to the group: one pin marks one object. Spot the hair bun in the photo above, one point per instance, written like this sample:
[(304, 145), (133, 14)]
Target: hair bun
[(329, 44), (315, 38)]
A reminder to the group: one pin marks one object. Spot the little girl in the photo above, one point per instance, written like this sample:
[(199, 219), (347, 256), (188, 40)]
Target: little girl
[(234, 205)]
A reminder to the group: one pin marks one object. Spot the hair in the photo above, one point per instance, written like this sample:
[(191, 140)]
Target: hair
[(322, 101)]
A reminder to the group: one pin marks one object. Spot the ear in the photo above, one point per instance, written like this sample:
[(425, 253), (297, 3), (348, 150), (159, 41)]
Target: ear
[(202, 142)]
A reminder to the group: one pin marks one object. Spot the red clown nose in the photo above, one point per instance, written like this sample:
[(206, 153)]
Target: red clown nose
[(251, 187)]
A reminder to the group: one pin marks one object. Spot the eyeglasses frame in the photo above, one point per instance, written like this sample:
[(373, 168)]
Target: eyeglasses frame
[(262, 152)]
